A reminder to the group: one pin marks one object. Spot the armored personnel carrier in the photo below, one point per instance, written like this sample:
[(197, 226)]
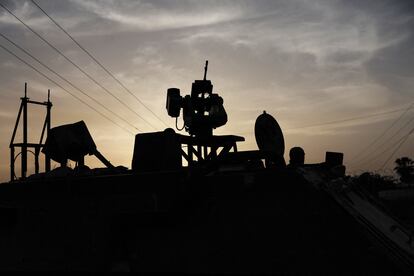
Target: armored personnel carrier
[(195, 204)]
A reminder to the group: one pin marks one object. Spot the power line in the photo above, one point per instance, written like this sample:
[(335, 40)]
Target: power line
[(398, 147), (382, 152), (74, 64), (57, 84), (348, 120), (67, 81), (362, 152), (97, 62), (395, 134)]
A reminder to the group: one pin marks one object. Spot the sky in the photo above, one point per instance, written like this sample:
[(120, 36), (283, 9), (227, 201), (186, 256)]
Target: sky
[(306, 62)]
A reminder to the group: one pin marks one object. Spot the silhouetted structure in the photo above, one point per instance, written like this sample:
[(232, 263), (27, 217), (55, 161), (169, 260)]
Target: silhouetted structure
[(203, 110), (297, 156), (72, 142), (226, 212), (270, 140), (25, 145)]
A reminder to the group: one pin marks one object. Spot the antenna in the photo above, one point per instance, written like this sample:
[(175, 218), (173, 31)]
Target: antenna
[(205, 70)]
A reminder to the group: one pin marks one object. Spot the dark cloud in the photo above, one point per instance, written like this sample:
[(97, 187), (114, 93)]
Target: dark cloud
[(306, 60), (392, 66), (10, 4), (345, 56)]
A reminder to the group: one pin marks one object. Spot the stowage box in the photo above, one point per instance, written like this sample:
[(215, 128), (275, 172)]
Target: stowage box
[(157, 151)]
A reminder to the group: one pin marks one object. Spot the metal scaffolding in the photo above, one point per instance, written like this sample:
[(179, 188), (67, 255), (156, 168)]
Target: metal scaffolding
[(25, 145)]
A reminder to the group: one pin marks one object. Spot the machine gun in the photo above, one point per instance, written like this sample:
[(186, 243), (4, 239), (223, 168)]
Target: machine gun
[(203, 110)]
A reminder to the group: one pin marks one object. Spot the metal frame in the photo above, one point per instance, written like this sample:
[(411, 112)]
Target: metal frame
[(207, 148), (25, 145)]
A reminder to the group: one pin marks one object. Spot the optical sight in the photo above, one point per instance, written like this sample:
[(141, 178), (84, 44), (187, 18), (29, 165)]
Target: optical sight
[(203, 110)]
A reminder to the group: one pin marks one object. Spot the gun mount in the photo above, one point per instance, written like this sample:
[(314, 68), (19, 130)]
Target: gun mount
[(203, 110), (72, 142)]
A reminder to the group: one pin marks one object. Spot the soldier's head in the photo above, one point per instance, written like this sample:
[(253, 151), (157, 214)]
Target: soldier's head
[(297, 156)]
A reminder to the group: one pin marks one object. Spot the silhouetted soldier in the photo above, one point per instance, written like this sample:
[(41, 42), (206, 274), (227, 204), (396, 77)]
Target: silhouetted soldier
[(297, 157)]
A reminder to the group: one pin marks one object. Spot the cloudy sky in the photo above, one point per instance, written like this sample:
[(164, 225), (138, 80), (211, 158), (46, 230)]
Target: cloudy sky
[(308, 63)]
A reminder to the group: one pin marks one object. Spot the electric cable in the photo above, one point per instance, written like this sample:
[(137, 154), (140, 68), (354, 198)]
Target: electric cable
[(362, 152), (74, 64), (176, 125), (349, 119), (67, 81), (398, 147), (384, 151), (98, 62), (392, 137), (57, 84)]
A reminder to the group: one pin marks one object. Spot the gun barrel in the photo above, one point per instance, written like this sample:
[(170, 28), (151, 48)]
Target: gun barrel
[(205, 70)]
